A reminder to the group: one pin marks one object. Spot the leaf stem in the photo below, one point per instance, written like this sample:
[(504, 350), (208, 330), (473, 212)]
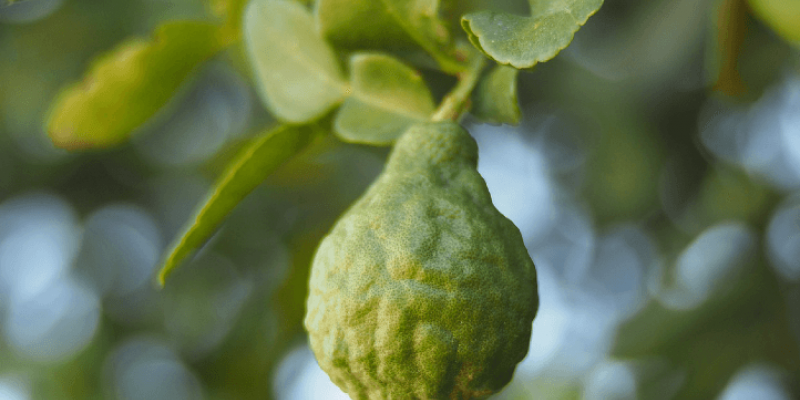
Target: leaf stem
[(457, 101)]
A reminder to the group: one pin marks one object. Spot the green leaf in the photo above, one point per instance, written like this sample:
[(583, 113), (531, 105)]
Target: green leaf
[(298, 74), (495, 100), (453, 10), (388, 25), (783, 16), (230, 10), (127, 86), (387, 98), (257, 160), (524, 41), (360, 24)]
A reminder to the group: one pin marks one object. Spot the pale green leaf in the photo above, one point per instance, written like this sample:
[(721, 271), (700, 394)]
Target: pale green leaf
[(387, 97), (783, 16), (127, 86), (522, 41), (360, 24), (495, 100), (388, 25), (257, 160), (298, 74)]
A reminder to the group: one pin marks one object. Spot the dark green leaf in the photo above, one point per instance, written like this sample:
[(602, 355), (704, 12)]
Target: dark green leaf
[(495, 100), (127, 86), (524, 41), (387, 97), (257, 160), (388, 25), (298, 74)]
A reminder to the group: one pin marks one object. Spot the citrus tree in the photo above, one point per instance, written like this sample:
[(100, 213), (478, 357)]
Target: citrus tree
[(351, 68), (422, 289)]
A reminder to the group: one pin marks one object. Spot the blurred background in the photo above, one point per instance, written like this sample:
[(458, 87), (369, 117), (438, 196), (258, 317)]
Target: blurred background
[(655, 179)]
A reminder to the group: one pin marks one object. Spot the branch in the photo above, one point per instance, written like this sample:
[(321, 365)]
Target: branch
[(456, 103)]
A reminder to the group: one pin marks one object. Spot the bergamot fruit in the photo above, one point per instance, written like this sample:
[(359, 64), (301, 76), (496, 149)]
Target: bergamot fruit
[(423, 290)]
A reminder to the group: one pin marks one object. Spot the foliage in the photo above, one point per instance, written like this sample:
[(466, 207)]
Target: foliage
[(495, 99), (126, 87), (387, 97), (300, 78), (292, 61), (261, 156), (781, 15), (524, 41), (673, 105)]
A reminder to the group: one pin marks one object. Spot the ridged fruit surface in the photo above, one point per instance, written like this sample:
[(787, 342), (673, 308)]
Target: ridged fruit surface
[(423, 290)]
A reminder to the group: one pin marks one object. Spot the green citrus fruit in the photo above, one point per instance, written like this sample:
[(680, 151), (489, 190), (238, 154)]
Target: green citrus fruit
[(423, 290)]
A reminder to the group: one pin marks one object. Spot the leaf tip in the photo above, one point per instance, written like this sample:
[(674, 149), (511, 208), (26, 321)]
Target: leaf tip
[(161, 279), (166, 270), (172, 260), (64, 136)]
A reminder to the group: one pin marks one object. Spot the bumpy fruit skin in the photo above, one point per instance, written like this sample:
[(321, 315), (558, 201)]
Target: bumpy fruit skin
[(423, 290)]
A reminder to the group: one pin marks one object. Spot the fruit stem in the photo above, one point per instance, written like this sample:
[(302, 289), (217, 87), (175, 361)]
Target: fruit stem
[(456, 103)]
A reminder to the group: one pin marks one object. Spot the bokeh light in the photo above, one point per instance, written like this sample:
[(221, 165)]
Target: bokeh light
[(611, 380), (762, 137), (783, 239), (14, 388), (299, 377), (28, 11), (49, 315), (756, 381), (516, 173), (121, 246), (709, 263), (145, 368), (53, 325), (215, 110), (39, 237)]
